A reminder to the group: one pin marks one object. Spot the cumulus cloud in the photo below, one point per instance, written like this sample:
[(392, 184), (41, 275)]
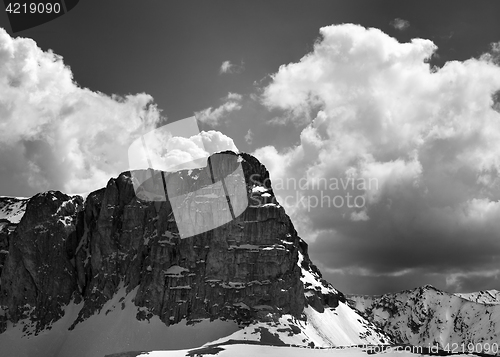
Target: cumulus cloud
[(228, 67), (57, 135), (494, 54), (398, 169), (400, 24), (214, 141), (177, 145), (234, 96), (225, 67), (213, 116)]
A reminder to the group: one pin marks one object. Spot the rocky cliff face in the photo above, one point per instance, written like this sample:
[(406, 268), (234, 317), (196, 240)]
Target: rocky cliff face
[(38, 276), (65, 249), (11, 211)]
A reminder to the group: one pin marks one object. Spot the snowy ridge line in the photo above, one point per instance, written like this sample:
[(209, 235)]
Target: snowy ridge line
[(312, 281), (482, 297), (427, 316), (12, 208)]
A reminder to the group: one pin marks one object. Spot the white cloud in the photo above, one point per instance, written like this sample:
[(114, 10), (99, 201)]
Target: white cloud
[(494, 54), (57, 135), (213, 116), (228, 67), (249, 137), (400, 24), (234, 96), (225, 67), (277, 121), (179, 152), (214, 141), (429, 139)]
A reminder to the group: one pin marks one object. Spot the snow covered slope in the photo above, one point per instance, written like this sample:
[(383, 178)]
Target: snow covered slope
[(339, 326), (12, 208), (249, 350), (335, 325), (483, 297), (426, 316), (114, 329)]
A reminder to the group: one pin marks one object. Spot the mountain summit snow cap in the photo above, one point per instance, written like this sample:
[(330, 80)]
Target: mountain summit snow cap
[(217, 197)]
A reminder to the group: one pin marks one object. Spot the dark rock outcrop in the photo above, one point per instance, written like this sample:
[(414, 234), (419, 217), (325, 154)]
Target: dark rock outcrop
[(10, 210), (6, 229), (39, 278), (247, 269)]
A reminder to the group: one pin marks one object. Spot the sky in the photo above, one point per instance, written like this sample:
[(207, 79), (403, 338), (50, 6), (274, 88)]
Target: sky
[(379, 121)]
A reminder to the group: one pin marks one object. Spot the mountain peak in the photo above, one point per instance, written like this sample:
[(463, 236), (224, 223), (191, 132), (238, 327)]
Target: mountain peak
[(428, 287), (74, 265)]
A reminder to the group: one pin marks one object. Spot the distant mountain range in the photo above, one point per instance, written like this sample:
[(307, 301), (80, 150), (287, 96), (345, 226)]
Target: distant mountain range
[(427, 316)]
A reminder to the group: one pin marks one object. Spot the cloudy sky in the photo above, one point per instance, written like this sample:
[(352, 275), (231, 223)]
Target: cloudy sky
[(378, 120)]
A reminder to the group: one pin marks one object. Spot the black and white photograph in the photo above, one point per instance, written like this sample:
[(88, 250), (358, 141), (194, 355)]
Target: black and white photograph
[(241, 178)]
